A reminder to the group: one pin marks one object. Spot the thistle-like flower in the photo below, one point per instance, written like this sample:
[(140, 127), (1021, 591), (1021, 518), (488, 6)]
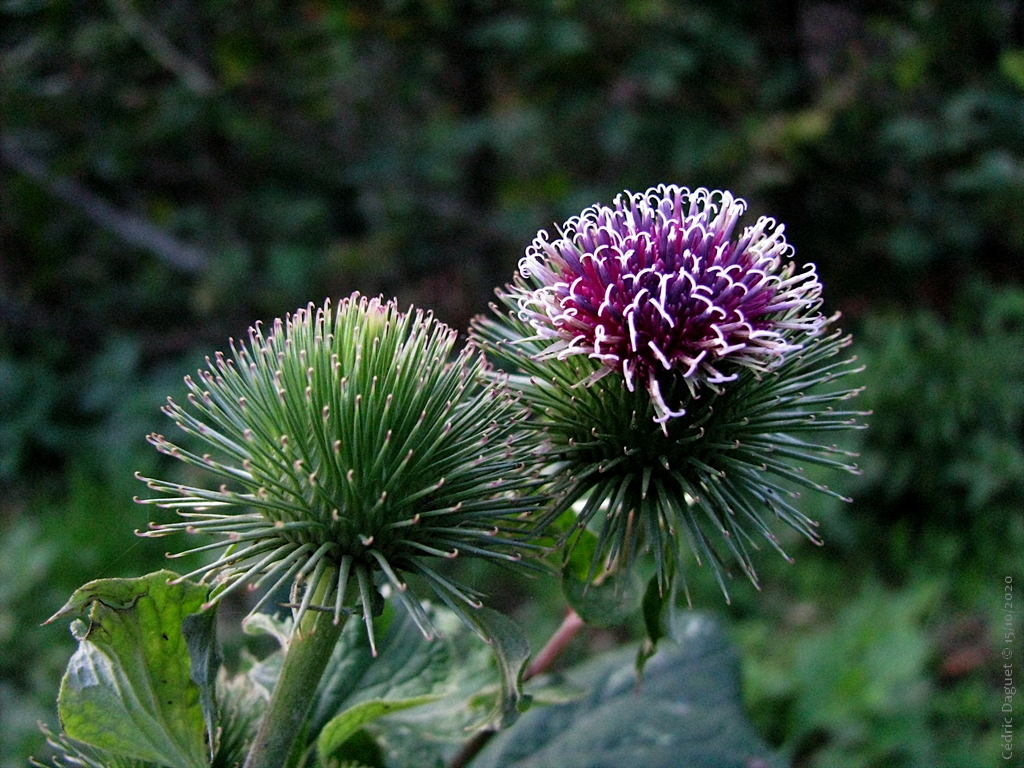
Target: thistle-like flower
[(655, 289), (669, 360), (352, 449)]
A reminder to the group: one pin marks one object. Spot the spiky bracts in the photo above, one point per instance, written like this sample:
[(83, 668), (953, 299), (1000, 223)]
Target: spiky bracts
[(738, 368), (354, 449)]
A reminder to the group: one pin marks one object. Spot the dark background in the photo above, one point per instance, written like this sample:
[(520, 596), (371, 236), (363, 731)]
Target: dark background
[(172, 171)]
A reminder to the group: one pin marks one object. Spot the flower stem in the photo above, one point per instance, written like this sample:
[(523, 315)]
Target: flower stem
[(545, 660), (571, 624), (305, 661)]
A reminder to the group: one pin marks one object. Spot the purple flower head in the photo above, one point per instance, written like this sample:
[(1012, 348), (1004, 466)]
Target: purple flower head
[(681, 374), (657, 286)]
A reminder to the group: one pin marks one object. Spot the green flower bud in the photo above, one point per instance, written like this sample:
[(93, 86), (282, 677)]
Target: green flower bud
[(352, 446)]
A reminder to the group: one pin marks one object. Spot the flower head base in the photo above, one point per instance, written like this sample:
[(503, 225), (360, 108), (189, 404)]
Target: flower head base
[(681, 378), (656, 287), (352, 450)]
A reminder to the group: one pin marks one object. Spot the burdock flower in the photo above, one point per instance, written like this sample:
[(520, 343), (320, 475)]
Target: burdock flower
[(353, 449), (655, 288), (670, 358)]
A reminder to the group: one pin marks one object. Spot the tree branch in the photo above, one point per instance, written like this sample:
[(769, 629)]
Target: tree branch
[(129, 227), (160, 48)]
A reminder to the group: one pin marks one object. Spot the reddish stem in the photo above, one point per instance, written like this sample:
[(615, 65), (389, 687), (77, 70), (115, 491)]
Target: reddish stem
[(555, 646)]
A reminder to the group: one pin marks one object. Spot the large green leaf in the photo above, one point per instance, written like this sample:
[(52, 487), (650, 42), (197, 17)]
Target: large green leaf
[(511, 651), (357, 687), (129, 688), (685, 713), (474, 696), (200, 633), (347, 723), (407, 666), (457, 683), (74, 754), (601, 598)]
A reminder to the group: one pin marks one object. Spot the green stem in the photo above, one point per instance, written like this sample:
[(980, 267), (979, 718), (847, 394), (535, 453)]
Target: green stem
[(308, 653)]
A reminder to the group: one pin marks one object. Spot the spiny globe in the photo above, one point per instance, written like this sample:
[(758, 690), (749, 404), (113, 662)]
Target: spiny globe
[(681, 373), (353, 446)]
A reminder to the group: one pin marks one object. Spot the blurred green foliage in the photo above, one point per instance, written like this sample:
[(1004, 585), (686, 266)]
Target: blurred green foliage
[(948, 482), (172, 171)]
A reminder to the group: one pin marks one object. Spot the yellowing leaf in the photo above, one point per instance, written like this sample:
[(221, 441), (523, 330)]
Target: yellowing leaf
[(129, 689)]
